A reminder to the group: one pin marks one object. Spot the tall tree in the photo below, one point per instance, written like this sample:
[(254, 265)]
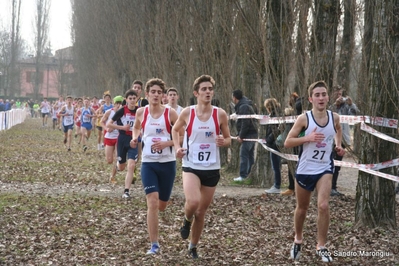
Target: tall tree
[(15, 45), (41, 40), (375, 196), (323, 41), (347, 45)]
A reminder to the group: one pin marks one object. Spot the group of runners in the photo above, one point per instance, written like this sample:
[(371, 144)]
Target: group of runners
[(158, 133)]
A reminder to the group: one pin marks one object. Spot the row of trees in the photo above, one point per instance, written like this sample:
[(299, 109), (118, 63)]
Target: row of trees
[(267, 48), (13, 47)]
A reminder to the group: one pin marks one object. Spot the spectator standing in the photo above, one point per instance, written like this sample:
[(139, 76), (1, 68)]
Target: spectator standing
[(273, 107), (2, 106), (296, 107), (246, 129), (343, 105)]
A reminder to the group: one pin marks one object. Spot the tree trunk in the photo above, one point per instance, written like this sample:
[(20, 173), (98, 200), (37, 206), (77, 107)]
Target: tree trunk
[(375, 196)]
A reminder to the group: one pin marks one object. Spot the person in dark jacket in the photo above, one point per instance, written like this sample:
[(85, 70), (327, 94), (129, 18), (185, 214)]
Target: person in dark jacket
[(246, 129), (273, 107)]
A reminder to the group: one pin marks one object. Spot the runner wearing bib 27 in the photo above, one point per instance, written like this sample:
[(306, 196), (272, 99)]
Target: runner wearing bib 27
[(315, 166)]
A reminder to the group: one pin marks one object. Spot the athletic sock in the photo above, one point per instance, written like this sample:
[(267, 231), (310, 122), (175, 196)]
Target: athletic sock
[(191, 246)]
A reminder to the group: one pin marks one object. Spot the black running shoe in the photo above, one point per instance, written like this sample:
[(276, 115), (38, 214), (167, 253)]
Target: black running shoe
[(193, 253), (65, 141), (295, 251), (84, 148), (185, 229)]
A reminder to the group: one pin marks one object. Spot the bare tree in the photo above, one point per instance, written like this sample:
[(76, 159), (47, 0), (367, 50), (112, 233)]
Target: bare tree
[(15, 45), (347, 45), (375, 196), (42, 27)]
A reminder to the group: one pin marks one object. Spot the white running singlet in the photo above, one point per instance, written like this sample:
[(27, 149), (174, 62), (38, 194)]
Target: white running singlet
[(317, 157), (114, 133), (157, 130), (68, 118), (200, 142)]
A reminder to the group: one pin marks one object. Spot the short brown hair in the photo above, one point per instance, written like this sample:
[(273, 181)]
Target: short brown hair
[(172, 89), (317, 84), (203, 78), (155, 81), (137, 82)]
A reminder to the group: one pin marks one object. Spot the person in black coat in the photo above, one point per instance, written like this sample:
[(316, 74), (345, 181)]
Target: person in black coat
[(246, 129)]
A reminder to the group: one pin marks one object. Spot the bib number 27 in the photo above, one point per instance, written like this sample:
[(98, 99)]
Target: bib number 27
[(318, 155)]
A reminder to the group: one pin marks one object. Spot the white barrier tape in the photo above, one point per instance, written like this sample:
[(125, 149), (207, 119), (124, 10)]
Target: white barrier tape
[(337, 163), (378, 134), (348, 119), (362, 167), (383, 175)]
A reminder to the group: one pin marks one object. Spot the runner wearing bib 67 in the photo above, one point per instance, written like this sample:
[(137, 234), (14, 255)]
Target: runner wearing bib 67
[(158, 167), (206, 130), (315, 166)]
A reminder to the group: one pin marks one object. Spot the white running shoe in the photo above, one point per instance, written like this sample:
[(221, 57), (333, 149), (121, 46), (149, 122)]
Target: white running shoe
[(239, 179), (273, 190)]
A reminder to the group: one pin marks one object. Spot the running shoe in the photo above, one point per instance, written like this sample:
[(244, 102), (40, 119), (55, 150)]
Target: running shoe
[(84, 148), (193, 253), (240, 179), (295, 251), (126, 195), (65, 141), (185, 229), (324, 254), (154, 250), (69, 149), (273, 190)]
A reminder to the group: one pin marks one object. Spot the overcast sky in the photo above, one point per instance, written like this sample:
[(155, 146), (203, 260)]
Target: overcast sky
[(60, 21)]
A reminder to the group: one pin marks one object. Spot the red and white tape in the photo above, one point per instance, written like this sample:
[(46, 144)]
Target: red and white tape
[(349, 119), (368, 168)]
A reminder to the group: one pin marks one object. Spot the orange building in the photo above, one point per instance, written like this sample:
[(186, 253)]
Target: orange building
[(56, 75)]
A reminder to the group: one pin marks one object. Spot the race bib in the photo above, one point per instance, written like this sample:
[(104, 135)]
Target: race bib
[(204, 153), (68, 120), (149, 152)]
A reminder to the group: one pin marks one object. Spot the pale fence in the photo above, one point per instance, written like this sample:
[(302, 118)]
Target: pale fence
[(12, 117)]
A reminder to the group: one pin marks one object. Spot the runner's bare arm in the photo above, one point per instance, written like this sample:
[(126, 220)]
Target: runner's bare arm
[(224, 127), (293, 138)]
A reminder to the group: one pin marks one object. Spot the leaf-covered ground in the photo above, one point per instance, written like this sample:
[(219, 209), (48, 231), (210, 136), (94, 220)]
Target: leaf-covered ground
[(56, 207)]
